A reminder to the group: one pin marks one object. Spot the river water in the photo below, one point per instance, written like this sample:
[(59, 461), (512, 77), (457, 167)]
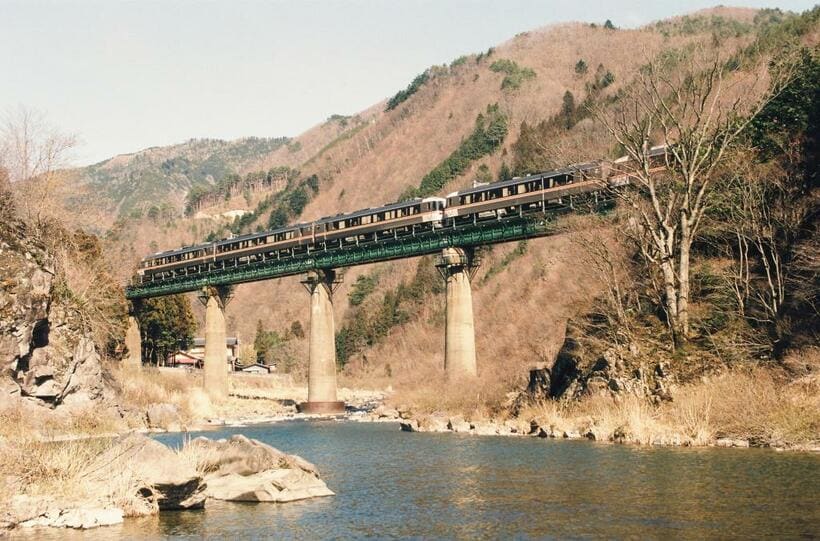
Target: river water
[(392, 484)]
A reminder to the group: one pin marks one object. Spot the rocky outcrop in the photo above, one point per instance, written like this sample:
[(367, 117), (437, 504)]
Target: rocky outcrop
[(148, 475), (84, 518), (247, 470), (45, 351), (580, 370), (440, 423)]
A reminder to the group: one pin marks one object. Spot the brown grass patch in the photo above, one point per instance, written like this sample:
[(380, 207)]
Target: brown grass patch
[(757, 405)]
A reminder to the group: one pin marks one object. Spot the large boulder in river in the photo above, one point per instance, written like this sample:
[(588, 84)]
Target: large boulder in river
[(243, 456), (276, 485), (243, 469), (147, 474)]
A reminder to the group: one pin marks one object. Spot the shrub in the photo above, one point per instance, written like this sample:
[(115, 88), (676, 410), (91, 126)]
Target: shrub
[(581, 67), (364, 286), (461, 60), (411, 89), (515, 74)]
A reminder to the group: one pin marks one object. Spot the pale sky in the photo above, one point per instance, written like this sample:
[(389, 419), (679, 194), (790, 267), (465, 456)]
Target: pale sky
[(128, 75)]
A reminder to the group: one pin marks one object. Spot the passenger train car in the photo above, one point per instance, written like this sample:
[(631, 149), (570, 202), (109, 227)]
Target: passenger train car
[(367, 225), (494, 201)]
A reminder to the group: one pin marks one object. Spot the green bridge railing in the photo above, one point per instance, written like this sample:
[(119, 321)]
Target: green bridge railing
[(507, 230)]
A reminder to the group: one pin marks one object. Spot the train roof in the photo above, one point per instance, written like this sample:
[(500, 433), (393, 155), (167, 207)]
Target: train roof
[(183, 250), (652, 153), (372, 210), (259, 234), (518, 180)]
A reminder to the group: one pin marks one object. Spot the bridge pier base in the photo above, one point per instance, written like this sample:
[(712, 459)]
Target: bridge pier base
[(133, 344), (322, 362), (457, 266), (216, 361)]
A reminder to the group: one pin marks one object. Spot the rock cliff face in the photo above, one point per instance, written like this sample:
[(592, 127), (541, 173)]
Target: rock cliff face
[(586, 368), (45, 353)]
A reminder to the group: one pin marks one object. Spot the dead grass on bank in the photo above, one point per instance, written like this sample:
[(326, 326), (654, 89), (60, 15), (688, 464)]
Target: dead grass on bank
[(251, 396), (49, 469), (758, 405), (35, 462), (429, 391), (139, 389)]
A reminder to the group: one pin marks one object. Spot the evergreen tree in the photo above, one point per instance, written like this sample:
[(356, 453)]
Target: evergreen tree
[(505, 173), (167, 324), (568, 110), (581, 67)]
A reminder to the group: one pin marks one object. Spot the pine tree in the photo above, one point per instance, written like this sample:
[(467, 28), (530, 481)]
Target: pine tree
[(581, 67), (568, 110)]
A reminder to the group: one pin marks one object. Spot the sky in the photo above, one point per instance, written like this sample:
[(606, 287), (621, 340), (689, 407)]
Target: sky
[(126, 75)]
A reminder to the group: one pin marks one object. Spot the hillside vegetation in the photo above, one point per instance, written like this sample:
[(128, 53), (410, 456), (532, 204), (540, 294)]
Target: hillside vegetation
[(153, 182)]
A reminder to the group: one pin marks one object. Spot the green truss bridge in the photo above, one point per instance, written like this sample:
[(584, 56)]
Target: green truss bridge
[(464, 236)]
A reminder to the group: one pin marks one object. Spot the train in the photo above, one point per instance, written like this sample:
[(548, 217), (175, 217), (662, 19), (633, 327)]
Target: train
[(520, 196)]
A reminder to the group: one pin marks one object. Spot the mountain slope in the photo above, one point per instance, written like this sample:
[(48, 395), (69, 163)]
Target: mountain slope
[(523, 295), (130, 185)]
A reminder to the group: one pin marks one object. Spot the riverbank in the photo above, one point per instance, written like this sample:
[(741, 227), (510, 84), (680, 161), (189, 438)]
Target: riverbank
[(740, 408), (42, 455), (45, 451)]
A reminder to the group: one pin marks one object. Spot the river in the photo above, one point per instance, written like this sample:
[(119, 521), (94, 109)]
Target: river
[(392, 484)]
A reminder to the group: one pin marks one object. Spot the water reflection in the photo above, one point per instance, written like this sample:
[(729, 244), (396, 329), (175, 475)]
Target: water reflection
[(391, 484)]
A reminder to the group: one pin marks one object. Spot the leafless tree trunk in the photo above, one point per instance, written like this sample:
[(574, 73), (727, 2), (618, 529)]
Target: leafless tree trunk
[(33, 151), (698, 110), (763, 217)]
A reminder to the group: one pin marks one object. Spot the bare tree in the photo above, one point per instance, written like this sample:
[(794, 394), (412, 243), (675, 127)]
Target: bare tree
[(604, 257), (34, 151), (699, 110)]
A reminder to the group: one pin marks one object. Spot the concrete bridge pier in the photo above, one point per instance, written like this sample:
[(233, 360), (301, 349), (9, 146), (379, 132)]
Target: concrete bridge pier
[(216, 360), (133, 344), (322, 363), (457, 267)]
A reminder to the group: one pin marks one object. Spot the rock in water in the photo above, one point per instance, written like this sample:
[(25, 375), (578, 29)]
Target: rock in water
[(83, 518), (147, 471), (242, 469), (458, 424), (275, 485)]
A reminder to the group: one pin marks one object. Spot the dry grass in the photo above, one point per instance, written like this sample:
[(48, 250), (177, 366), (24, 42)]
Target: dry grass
[(757, 405), (51, 469), (251, 396), (32, 465), (141, 388)]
